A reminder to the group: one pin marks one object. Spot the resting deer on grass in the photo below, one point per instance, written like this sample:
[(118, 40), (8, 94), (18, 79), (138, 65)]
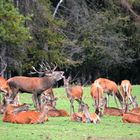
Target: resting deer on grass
[(131, 118), (73, 93), (85, 116), (111, 88), (54, 112), (35, 85), (22, 116), (126, 90), (98, 98), (112, 111)]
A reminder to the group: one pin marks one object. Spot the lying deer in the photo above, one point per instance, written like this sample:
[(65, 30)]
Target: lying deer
[(131, 118), (26, 117), (98, 97), (135, 110), (73, 93), (112, 111), (85, 116), (35, 85), (53, 112), (57, 113), (111, 88)]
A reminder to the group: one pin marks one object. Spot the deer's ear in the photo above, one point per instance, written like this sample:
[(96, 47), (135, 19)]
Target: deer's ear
[(69, 78)]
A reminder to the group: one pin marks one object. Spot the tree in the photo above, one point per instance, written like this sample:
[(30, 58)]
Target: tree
[(13, 32)]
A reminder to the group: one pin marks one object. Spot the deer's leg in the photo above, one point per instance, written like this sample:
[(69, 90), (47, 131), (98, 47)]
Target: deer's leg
[(36, 101), (115, 100), (126, 104), (71, 106), (80, 107)]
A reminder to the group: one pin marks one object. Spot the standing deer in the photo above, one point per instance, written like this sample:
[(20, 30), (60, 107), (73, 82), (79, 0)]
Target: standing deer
[(35, 85), (98, 98), (73, 93), (126, 90), (111, 88)]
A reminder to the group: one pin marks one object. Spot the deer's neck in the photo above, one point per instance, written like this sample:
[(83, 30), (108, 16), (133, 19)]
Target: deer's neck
[(68, 91), (48, 81), (43, 115), (87, 114)]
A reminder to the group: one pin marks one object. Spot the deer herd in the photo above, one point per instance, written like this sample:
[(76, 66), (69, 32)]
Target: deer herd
[(44, 100)]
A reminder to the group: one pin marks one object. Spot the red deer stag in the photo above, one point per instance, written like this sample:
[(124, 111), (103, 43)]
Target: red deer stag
[(112, 111), (85, 116), (126, 90), (98, 98), (131, 118), (20, 115), (73, 93), (111, 88), (35, 85)]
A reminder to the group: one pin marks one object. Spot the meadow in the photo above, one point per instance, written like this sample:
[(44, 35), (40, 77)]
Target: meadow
[(61, 128)]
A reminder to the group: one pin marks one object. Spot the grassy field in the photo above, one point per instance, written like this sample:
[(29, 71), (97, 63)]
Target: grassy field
[(61, 128)]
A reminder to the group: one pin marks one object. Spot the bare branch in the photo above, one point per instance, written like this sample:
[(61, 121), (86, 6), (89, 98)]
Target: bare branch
[(5, 66), (57, 7)]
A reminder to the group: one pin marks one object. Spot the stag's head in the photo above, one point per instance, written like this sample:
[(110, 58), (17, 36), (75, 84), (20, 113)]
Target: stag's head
[(47, 70)]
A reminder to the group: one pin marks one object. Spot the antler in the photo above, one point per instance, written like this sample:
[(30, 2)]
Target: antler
[(45, 67), (5, 66), (36, 71)]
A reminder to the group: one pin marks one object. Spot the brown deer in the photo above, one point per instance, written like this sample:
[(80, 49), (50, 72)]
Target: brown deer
[(57, 113), (35, 85), (22, 115), (126, 90), (131, 118), (111, 88), (49, 92), (135, 110), (112, 111), (73, 93), (97, 95), (53, 112), (85, 116)]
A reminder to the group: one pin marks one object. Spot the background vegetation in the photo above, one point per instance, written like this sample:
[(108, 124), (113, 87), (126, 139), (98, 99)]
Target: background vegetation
[(87, 38), (61, 128)]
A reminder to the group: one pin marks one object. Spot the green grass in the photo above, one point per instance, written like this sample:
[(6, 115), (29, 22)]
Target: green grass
[(61, 128)]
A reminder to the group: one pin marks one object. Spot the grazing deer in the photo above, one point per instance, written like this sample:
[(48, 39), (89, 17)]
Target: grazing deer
[(35, 85), (20, 115), (111, 88), (131, 118), (85, 116), (98, 97), (126, 90), (112, 111), (73, 93)]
